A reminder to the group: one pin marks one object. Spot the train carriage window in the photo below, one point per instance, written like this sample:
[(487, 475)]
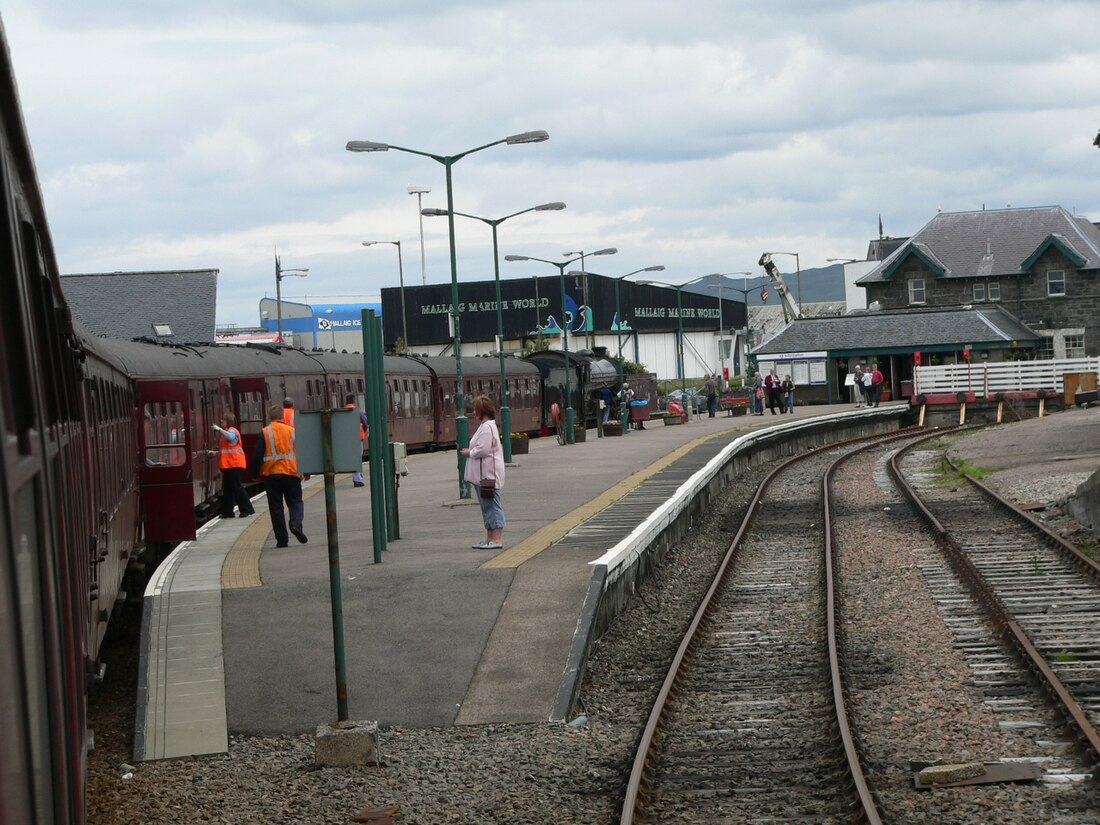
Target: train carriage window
[(395, 398), (250, 412), (408, 398), (359, 381), (165, 439)]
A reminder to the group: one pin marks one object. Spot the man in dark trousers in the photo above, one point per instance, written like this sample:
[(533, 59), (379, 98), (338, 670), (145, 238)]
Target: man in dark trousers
[(275, 461), (232, 462)]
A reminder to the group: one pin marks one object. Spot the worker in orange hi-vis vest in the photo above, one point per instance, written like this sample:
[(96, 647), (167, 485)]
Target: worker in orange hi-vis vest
[(288, 412), (364, 428), (275, 460), (232, 462)]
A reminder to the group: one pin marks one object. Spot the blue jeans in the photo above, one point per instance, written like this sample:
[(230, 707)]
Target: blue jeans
[(492, 511), (789, 404)]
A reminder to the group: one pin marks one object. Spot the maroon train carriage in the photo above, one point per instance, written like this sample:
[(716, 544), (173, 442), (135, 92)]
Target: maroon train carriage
[(481, 375), (44, 552)]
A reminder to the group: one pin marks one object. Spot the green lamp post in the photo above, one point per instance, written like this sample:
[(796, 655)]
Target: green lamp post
[(505, 393), (680, 334), (462, 424)]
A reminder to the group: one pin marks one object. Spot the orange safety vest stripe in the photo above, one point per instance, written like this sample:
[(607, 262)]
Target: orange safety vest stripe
[(288, 416), (362, 429), (280, 451), (232, 455)]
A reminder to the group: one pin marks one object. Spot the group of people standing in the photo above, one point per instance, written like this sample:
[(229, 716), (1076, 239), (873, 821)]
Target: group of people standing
[(868, 384), (770, 390)]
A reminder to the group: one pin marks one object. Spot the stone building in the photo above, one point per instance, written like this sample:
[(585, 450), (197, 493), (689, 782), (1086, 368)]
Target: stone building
[(1041, 264)]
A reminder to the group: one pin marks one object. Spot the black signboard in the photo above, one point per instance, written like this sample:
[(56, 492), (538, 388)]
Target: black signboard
[(531, 305)]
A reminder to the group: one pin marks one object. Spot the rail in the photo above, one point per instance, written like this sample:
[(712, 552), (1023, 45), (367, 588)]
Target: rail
[(995, 609)]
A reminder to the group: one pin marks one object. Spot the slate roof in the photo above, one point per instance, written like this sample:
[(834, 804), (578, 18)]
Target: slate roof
[(994, 242), (915, 329), (125, 305)]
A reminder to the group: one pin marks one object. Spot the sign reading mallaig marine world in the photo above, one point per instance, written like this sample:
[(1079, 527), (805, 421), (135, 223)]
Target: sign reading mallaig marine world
[(533, 306)]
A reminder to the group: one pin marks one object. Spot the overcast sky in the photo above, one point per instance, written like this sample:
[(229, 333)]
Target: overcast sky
[(696, 135)]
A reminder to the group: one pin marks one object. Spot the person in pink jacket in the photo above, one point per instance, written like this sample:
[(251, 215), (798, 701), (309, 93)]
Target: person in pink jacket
[(486, 461)]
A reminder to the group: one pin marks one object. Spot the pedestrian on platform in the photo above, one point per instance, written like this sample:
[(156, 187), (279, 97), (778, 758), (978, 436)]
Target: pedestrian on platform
[(288, 412), (758, 393), (275, 460), (868, 387), (232, 462), (877, 380), (604, 396), (364, 430), (857, 382), (626, 396), (710, 387), (788, 395), (486, 463), (771, 386)]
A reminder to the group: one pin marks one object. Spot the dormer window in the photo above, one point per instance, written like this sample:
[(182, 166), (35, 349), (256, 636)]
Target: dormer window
[(162, 330), (916, 291), (1056, 282)]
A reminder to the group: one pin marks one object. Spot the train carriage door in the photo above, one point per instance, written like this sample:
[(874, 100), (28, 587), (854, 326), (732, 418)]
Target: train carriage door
[(166, 472), (250, 401)]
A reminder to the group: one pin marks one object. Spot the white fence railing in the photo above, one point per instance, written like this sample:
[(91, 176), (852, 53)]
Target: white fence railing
[(1007, 376)]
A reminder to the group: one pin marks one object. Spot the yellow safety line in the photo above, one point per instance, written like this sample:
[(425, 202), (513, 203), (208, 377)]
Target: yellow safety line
[(555, 531), (241, 568)]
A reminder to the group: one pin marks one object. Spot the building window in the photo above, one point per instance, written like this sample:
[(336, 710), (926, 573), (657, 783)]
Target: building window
[(979, 292), (916, 291), (993, 291), (1044, 348), (1075, 346), (1056, 282)]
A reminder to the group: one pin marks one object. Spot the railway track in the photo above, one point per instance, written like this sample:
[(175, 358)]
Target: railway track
[(750, 724), (1041, 594)]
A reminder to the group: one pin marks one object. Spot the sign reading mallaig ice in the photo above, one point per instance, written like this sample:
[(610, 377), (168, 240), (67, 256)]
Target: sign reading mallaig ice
[(532, 306)]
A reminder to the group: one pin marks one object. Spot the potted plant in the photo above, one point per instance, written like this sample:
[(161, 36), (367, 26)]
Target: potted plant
[(520, 444), (578, 433)]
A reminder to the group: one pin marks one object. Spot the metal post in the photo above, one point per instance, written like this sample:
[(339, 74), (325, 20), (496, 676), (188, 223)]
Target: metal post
[(569, 415), (721, 354), (401, 278), (375, 419), (462, 424), (505, 394), (624, 408), (423, 266), (279, 299), (386, 470), (683, 377), (335, 593)]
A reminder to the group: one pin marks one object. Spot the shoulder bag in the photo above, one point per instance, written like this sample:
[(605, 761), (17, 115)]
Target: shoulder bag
[(488, 484)]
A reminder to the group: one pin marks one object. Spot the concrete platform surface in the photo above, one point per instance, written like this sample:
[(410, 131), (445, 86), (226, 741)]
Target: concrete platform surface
[(437, 634)]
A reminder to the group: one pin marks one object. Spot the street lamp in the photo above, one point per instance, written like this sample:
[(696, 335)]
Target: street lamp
[(584, 292), (462, 426), (401, 280), (680, 323), (624, 411), (745, 297), (420, 192), (506, 395), (564, 328), (280, 273), (798, 269), (721, 276)]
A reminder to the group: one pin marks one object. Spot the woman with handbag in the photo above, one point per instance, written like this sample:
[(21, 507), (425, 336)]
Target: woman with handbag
[(485, 470)]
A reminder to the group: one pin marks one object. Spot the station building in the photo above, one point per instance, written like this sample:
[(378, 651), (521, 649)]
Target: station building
[(642, 321)]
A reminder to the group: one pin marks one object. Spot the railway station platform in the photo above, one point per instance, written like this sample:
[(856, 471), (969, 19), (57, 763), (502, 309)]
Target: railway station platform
[(237, 634)]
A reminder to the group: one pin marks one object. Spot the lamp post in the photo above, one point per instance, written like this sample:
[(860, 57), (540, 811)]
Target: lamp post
[(680, 324), (584, 292), (624, 411), (420, 192), (505, 393), (401, 280), (280, 273), (462, 425), (569, 416), (721, 276), (798, 270)]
